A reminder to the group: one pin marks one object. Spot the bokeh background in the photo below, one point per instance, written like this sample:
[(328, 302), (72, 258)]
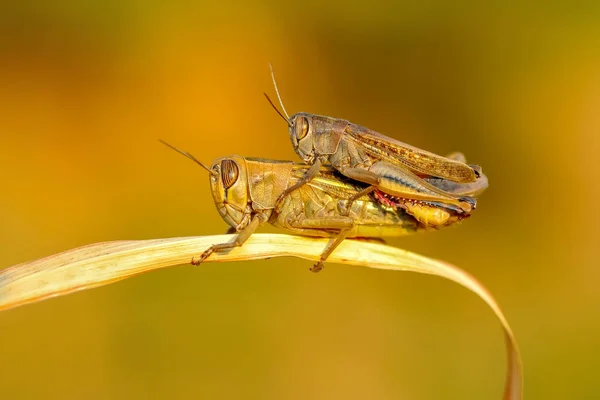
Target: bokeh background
[(87, 88)]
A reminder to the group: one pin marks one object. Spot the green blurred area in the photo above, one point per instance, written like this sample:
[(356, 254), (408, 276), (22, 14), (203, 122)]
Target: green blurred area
[(87, 88)]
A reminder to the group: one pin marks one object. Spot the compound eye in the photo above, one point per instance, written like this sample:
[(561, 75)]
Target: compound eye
[(229, 173), (301, 127)]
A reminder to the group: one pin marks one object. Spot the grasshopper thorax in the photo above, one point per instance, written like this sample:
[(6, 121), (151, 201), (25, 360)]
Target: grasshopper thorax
[(315, 136)]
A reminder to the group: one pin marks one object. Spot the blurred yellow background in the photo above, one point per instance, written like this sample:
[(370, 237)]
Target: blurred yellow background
[(87, 88)]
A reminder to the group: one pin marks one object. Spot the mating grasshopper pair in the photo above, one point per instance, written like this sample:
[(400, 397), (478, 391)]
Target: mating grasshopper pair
[(354, 183)]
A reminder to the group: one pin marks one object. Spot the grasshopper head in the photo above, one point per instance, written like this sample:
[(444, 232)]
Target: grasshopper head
[(229, 187), (301, 134)]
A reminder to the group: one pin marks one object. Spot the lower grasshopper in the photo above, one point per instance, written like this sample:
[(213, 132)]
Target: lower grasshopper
[(246, 190), (383, 163)]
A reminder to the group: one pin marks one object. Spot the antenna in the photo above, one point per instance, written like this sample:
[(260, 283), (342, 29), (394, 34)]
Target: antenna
[(188, 155), (277, 91), (287, 121)]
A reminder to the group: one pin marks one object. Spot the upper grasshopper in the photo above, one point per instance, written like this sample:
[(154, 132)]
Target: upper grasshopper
[(383, 163), (246, 192)]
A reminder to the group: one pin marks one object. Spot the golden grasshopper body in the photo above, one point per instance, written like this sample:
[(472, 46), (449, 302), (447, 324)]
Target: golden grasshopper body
[(388, 165), (323, 199), (308, 210), (247, 193)]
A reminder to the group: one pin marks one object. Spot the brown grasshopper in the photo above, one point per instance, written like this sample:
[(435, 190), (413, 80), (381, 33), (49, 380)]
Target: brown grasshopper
[(383, 163), (246, 190)]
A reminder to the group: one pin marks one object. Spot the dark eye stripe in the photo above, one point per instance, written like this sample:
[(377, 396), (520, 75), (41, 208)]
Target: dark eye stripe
[(229, 173)]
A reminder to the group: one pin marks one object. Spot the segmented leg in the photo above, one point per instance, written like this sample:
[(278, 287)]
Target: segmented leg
[(239, 240), (345, 211), (310, 174), (402, 183), (331, 246), (362, 175), (344, 224)]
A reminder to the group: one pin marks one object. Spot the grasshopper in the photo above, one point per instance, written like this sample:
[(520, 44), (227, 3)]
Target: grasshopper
[(381, 162), (246, 191)]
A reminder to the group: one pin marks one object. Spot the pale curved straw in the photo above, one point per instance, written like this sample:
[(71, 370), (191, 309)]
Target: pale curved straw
[(102, 263)]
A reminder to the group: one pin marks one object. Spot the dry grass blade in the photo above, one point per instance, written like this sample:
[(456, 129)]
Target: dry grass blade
[(103, 263)]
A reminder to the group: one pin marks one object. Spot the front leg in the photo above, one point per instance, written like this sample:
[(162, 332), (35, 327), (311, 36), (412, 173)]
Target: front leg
[(308, 176), (239, 240)]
